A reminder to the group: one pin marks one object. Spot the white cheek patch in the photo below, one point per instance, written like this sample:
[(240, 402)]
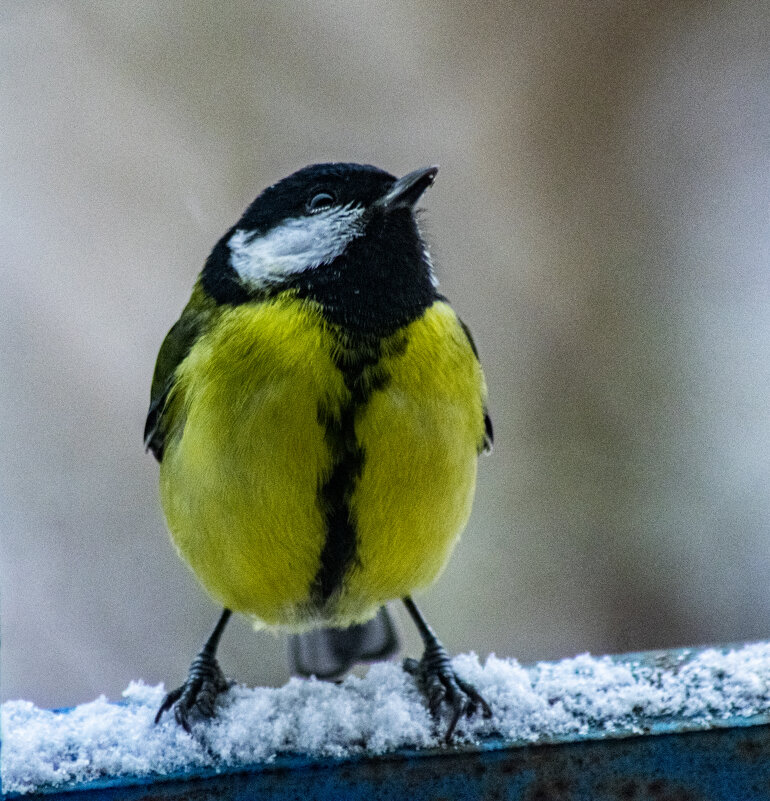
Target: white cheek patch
[(427, 261), (295, 245)]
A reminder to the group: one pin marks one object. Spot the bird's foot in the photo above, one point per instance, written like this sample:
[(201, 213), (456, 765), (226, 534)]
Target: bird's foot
[(198, 695), (438, 682)]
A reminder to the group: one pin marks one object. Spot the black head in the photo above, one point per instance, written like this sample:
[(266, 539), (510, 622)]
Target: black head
[(341, 234), (313, 189)]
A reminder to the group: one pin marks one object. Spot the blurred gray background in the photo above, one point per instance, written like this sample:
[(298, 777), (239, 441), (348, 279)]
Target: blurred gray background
[(601, 221)]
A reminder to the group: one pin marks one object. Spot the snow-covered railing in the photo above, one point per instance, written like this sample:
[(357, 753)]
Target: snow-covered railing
[(687, 724)]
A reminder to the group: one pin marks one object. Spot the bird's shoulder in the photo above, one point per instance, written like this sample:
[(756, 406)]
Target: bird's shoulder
[(196, 319), (489, 436)]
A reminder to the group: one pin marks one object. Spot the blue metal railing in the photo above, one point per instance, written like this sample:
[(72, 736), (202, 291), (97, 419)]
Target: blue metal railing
[(666, 759)]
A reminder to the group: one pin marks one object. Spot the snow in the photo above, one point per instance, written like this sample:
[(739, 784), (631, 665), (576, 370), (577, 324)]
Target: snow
[(379, 713)]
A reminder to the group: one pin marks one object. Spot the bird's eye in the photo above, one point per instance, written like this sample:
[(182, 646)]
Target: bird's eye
[(320, 202)]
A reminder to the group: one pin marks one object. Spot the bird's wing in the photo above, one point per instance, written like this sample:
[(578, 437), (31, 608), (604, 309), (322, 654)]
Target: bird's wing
[(173, 351), (489, 434)]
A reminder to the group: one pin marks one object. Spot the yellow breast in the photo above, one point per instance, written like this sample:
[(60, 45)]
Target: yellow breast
[(239, 479), (420, 435), (250, 451)]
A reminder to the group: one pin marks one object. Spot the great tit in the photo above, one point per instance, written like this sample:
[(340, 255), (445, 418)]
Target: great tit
[(317, 412)]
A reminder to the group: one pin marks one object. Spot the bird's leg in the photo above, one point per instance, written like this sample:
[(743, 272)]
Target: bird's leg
[(205, 681), (436, 678)]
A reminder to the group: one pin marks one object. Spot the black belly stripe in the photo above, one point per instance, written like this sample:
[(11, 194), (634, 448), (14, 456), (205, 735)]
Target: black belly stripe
[(363, 375), (339, 549)]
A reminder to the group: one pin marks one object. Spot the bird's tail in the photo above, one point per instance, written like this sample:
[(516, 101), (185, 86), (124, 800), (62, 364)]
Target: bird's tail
[(328, 653)]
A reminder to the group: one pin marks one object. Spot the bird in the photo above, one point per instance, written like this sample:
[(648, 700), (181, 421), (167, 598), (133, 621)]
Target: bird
[(318, 411)]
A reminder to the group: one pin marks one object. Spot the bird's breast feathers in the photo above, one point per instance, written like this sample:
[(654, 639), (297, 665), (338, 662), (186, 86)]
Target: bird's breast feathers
[(309, 476)]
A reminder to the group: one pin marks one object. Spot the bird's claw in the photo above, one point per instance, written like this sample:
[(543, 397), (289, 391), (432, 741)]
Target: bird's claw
[(439, 683), (198, 695)]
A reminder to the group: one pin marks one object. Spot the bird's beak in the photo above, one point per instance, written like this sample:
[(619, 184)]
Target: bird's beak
[(408, 190)]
